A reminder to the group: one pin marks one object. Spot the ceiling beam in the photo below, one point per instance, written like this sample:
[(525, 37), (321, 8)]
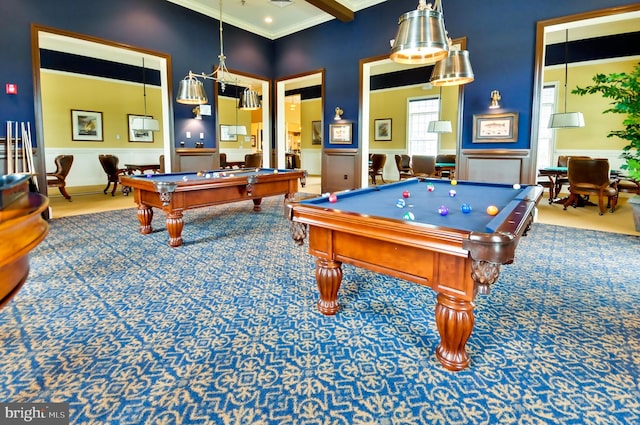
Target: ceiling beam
[(334, 8)]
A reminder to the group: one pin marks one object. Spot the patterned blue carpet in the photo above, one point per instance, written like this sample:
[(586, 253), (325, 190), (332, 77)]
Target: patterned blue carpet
[(224, 330)]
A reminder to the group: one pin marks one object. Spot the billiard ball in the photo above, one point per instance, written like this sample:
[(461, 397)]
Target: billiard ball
[(199, 173), (431, 187), (333, 198), (516, 186), (443, 210), (409, 216), (275, 171), (452, 193), (466, 208), (149, 176), (454, 182), (184, 178), (492, 210), (406, 194), (400, 203), (208, 176)]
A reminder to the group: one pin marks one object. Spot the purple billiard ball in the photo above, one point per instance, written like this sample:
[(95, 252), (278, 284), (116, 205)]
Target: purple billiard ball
[(443, 210), (466, 208), (149, 176)]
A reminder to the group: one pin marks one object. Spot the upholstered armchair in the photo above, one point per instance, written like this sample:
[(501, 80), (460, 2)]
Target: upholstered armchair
[(377, 166), (403, 164), (58, 178), (591, 177), (110, 166), (253, 160), (424, 165)]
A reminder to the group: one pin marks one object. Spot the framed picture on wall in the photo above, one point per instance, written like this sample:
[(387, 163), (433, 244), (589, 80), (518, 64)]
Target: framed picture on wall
[(226, 133), (137, 135), (382, 129), (316, 132), (86, 126), (495, 127), (340, 134)]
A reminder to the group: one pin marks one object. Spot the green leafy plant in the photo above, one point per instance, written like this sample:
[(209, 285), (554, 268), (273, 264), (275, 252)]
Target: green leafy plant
[(624, 91)]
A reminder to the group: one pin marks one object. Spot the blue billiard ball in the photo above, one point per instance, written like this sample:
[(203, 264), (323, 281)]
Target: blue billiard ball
[(466, 208), (443, 210), (400, 203)]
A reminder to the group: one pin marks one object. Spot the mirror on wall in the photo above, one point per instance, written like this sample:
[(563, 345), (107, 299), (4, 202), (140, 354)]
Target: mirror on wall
[(571, 50), (241, 132), (78, 75), (388, 88), (299, 112)]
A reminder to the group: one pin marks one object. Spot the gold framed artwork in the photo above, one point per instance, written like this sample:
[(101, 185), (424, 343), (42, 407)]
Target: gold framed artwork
[(340, 134), (316, 132), (86, 126), (495, 128), (382, 129), (137, 135)]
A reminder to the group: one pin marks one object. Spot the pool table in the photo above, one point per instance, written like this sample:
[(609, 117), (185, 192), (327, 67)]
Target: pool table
[(176, 192), (458, 254)]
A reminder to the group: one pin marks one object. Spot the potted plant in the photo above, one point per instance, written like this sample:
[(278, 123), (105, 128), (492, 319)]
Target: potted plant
[(624, 91)]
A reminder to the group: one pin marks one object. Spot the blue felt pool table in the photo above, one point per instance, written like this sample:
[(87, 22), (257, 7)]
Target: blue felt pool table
[(176, 192), (458, 254)]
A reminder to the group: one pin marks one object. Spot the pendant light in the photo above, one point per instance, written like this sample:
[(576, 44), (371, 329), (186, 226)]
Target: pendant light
[(421, 37), (566, 119), (454, 70), (439, 126), (249, 100), (144, 123)]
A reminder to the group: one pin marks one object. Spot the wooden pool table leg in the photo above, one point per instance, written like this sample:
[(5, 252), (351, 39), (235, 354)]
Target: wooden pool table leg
[(145, 215), (328, 278), (175, 224), (256, 204), (455, 320)]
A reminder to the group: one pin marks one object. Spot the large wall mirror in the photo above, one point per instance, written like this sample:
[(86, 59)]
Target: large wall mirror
[(299, 112), (77, 75), (388, 88), (571, 50), (243, 131)]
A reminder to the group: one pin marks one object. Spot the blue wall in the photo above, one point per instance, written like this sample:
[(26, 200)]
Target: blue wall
[(501, 41), (190, 38)]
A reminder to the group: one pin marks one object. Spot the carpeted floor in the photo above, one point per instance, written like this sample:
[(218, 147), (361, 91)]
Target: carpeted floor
[(224, 330)]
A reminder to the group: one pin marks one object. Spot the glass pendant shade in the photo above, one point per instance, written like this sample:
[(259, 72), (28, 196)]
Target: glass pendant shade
[(145, 124), (439, 127), (191, 92), (454, 70), (421, 38), (249, 101), (566, 120)]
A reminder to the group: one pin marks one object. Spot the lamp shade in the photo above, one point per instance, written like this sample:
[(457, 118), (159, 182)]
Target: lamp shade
[(191, 92), (145, 124), (566, 120), (454, 70), (439, 127), (249, 101), (421, 38)]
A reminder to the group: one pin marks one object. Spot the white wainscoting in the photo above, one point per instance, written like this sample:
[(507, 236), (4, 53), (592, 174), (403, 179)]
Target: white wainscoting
[(236, 155), (612, 155), (86, 169)]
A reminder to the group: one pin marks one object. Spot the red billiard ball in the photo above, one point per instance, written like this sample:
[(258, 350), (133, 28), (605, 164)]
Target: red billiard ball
[(406, 194), (333, 198)]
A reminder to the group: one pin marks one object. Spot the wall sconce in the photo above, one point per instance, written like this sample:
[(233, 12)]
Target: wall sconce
[(339, 113), (196, 113), (495, 100)]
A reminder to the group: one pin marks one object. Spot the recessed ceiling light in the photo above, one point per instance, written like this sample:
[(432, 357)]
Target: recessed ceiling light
[(268, 19)]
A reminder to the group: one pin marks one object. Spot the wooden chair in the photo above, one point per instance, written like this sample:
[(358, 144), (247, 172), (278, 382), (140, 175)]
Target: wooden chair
[(403, 164), (563, 161), (110, 166), (223, 160), (161, 170), (591, 177), (424, 165), (253, 160), (58, 177), (377, 166)]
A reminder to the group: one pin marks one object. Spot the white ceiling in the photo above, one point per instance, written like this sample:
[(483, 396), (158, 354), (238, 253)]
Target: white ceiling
[(250, 15)]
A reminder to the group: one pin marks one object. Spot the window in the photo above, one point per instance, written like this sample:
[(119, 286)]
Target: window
[(421, 113), (546, 139)]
